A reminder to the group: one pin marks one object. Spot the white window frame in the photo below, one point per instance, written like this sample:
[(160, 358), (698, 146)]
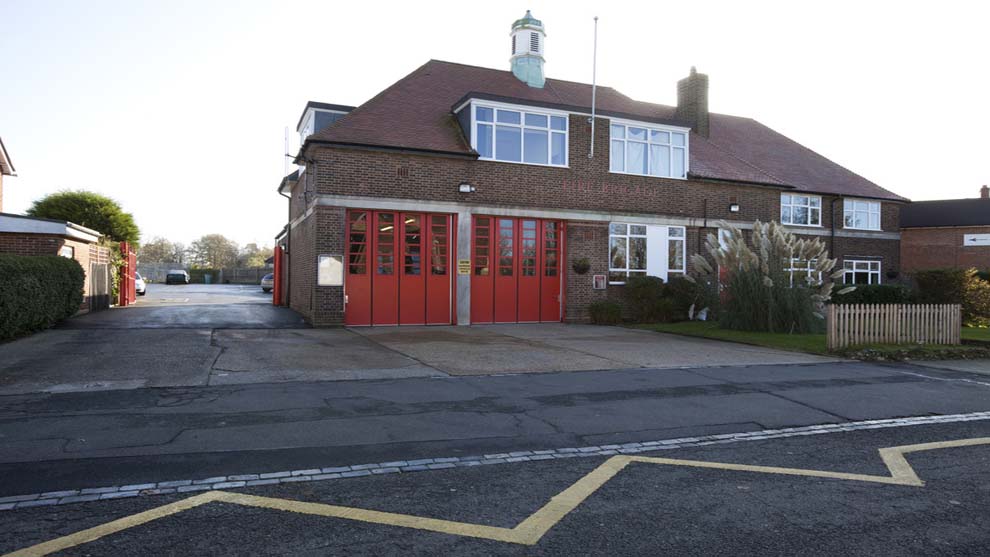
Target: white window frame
[(871, 204), (658, 242), (649, 163), (805, 267), (523, 110), (853, 266), (811, 208)]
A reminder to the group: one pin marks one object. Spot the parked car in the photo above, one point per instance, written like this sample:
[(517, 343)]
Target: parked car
[(177, 276), (267, 282), (139, 285)]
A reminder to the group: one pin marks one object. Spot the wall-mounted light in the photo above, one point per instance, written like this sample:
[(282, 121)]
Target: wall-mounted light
[(734, 208), (465, 188)]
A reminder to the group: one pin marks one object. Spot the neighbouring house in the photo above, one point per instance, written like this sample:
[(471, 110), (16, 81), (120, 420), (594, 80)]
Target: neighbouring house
[(463, 194), (22, 235), (6, 169), (948, 233)]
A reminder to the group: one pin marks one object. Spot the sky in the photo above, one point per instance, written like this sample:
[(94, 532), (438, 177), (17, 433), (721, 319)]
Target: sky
[(177, 108)]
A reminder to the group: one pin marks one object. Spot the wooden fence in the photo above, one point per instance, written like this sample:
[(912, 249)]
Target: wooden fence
[(858, 324)]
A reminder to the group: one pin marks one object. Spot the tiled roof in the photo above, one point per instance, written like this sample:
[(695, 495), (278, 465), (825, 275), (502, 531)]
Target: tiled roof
[(416, 113), (946, 212)]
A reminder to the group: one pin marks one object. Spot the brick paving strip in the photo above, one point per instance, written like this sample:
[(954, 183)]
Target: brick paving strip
[(69, 496)]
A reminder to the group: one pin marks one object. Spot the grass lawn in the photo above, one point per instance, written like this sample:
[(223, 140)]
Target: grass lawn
[(975, 333), (813, 344)]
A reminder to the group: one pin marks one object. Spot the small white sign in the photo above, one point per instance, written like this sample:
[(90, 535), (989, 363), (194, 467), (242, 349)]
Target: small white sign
[(330, 271), (971, 240)]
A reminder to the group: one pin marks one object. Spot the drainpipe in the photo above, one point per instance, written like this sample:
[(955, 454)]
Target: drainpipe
[(288, 241), (832, 247)]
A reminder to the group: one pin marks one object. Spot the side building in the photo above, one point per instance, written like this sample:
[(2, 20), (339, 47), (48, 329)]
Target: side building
[(948, 233), (463, 195)]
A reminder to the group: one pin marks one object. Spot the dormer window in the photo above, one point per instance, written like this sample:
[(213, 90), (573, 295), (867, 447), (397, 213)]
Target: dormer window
[(648, 150), (517, 134)]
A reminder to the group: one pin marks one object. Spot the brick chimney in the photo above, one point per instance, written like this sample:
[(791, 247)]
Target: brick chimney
[(692, 101), (985, 192)]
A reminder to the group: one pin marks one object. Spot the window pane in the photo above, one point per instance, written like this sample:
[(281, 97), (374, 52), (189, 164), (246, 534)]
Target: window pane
[(815, 201), (850, 220), (785, 215), (618, 277), (859, 220), (659, 137), (675, 255), (799, 214), (617, 253), (537, 120), (639, 134), (485, 140), (677, 164), (636, 157), (508, 117), (815, 217), (618, 132), (617, 156), (874, 221), (637, 253), (637, 229), (800, 200), (558, 149), (678, 139), (616, 228), (659, 160), (862, 206), (558, 123), (508, 143), (675, 232), (535, 146), (484, 114), (785, 199)]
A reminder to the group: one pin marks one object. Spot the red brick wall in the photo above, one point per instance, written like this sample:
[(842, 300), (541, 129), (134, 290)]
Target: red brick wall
[(934, 248), (42, 244)]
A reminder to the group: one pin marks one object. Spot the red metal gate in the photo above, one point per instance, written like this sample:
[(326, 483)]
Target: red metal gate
[(398, 268), (516, 275), (127, 291), (279, 280)]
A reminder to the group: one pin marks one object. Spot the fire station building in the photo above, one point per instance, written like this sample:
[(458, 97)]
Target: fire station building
[(467, 195)]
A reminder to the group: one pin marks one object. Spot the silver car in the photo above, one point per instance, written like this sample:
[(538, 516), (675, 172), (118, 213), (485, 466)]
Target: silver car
[(267, 283), (139, 285)]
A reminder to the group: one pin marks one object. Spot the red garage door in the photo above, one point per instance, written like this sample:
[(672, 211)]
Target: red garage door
[(398, 268), (516, 272)]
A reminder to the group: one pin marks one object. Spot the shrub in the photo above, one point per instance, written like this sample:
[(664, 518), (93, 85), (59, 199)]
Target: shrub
[(647, 299), (685, 293), (37, 292), (956, 286), (759, 293), (605, 312), (875, 294)]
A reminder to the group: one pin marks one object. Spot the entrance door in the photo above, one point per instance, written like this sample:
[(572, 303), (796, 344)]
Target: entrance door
[(398, 268), (516, 274)]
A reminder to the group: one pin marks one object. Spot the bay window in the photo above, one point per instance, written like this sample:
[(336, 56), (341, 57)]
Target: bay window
[(648, 151), (861, 215), (523, 136), (800, 210)]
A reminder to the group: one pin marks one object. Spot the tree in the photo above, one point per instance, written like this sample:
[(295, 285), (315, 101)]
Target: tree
[(213, 251), (160, 250), (91, 210), (253, 256)]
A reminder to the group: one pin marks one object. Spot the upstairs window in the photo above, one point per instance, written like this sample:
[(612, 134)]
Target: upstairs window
[(520, 136), (861, 215), (800, 210), (648, 151)]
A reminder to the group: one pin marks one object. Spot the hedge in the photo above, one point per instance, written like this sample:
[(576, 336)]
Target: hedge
[(37, 292), (874, 294)]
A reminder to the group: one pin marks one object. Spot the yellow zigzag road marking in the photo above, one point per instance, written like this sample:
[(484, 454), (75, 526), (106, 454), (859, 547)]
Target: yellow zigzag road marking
[(528, 532)]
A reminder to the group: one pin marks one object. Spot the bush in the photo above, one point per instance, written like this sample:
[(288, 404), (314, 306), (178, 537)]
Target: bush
[(956, 286), (758, 292), (684, 293), (875, 294), (648, 300), (37, 292), (605, 312)]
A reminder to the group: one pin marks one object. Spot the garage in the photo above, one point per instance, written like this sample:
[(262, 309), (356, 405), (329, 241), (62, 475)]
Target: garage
[(398, 268), (516, 273)]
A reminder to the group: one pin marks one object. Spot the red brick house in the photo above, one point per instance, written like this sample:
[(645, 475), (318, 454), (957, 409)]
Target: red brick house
[(951, 233), (463, 195)]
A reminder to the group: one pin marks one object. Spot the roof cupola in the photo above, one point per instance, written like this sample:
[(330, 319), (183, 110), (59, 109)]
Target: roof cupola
[(528, 37)]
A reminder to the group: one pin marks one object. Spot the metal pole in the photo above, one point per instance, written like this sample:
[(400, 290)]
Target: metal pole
[(594, 85)]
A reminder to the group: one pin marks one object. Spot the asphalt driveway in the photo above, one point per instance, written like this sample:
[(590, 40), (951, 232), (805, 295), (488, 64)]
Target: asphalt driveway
[(195, 335)]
